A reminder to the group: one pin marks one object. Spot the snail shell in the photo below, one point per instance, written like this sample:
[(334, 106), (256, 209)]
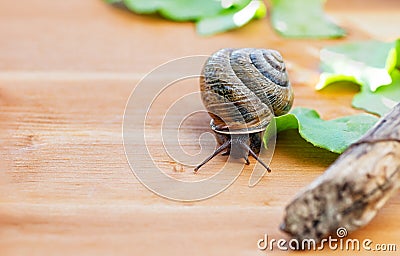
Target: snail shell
[(242, 90)]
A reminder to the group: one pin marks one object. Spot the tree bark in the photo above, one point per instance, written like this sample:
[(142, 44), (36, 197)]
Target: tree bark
[(353, 189)]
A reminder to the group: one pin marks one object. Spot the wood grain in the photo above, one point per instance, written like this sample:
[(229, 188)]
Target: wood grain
[(66, 72)]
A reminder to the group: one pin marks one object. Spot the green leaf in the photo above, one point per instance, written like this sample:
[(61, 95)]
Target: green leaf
[(112, 1), (382, 100), (211, 16), (303, 19), (334, 135), (367, 63), (189, 10), (144, 6), (231, 19), (373, 65)]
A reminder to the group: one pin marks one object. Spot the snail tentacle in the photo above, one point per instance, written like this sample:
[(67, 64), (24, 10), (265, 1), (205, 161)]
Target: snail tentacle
[(238, 142), (246, 147), (216, 152)]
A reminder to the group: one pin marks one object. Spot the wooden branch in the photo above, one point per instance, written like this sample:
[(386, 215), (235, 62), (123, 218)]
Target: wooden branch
[(354, 187)]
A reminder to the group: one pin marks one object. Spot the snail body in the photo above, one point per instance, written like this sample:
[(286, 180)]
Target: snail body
[(242, 90)]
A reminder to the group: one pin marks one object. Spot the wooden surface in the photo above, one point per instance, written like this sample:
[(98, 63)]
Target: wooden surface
[(67, 69)]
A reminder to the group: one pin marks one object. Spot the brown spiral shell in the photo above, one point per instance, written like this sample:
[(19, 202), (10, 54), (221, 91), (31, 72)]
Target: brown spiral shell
[(242, 89)]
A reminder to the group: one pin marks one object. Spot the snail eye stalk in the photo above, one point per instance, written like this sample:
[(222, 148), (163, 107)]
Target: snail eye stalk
[(245, 146), (227, 144), (220, 149)]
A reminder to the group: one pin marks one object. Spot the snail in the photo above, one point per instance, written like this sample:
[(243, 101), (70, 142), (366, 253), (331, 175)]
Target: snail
[(242, 90)]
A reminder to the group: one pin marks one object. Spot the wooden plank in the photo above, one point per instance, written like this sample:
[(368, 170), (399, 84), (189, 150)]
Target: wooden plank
[(66, 72), (71, 184), (91, 36)]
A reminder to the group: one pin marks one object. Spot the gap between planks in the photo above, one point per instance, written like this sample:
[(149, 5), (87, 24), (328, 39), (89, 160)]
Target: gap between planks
[(71, 76)]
